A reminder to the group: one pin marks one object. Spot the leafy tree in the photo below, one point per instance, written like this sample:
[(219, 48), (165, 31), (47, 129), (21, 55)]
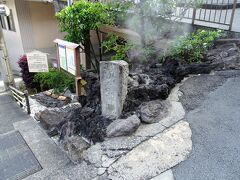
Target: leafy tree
[(78, 19)]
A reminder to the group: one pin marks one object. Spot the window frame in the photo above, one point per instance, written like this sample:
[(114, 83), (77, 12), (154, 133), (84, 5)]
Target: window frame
[(10, 22)]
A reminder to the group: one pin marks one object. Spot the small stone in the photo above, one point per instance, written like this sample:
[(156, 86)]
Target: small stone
[(50, 119), (154, 111), (123, 127), (62, 98), (106, 161), (94, 155), (232, 62), (145, 79), (67, 93), (55, 96), (101, 171), (133, 81), (233, 51), (47, 93), (37, 116), (74, 98), (75, 146)]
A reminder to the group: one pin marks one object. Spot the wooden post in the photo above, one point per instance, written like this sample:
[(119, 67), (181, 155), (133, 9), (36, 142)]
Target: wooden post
[(78, 72), (87, 50), (27, 102)]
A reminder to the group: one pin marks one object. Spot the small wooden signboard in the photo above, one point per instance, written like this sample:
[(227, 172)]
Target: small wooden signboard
[(69, 60), (37, 61)]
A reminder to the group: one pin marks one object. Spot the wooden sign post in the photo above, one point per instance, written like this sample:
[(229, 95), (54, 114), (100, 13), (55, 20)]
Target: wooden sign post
[(69, 60)]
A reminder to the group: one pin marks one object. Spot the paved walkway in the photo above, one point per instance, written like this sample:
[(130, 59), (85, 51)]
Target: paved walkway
[(16, 159), (215, 123), (10, 112), (24, 147)]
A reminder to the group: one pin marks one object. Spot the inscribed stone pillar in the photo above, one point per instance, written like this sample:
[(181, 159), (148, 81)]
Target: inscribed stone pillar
[(113, 81)]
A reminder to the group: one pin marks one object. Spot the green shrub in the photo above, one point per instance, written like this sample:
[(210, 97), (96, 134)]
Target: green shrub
[(118, 10), (118, 46), (191, 47), (77, 20), (54, 79)]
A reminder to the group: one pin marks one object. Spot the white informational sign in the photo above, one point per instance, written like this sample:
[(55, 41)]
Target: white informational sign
[(71, 66), (37, 61), (62, 57)]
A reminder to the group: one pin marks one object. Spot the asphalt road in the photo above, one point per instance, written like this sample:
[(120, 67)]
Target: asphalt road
[(213, 105)]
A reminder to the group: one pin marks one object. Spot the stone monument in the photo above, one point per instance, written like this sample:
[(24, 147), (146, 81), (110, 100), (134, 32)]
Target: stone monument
[(114, 81)]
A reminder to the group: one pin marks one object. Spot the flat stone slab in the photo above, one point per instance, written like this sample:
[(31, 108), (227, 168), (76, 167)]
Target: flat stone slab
[(16, 159), (49, 155), (155, 155)]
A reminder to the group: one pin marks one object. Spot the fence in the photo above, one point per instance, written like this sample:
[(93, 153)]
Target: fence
[(211, 13), (21, 98)]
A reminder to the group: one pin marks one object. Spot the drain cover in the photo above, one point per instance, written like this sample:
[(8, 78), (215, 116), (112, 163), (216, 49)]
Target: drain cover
[(16, 159)]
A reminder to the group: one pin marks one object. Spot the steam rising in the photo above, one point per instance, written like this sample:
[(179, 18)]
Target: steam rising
[(157, 21)]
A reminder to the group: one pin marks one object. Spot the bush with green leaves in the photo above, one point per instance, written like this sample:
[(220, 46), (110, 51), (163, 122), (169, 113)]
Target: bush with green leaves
[(191, 47), (78, 19), (54, 79), (118, 46), (119, 11)]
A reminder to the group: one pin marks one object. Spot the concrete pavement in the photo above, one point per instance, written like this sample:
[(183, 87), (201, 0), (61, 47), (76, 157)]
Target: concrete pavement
[(215, 123), (10, 112), (16, 159)]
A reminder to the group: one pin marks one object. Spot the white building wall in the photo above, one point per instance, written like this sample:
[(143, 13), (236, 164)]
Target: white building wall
[(36, 28), (44, 24), (25, 23), (13, 38)]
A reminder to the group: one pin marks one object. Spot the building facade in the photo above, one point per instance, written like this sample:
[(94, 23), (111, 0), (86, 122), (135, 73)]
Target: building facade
[(31, 26)]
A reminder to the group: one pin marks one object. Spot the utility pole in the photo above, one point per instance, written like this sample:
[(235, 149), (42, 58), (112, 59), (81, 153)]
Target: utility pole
[(6, 67)]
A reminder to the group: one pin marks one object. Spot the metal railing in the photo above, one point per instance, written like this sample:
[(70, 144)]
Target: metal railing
[(21, 98), (211, 12)]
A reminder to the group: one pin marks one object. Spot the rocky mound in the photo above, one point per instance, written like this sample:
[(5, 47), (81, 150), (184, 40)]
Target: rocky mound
[(148, 87)]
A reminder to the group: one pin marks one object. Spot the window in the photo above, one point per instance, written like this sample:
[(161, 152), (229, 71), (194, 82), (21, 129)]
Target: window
[(3, 22), (7, 22), (10, 22)]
